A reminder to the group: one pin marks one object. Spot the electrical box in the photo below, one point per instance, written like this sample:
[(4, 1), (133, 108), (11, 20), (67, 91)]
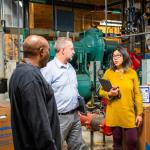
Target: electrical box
[(145, 71), (145, 93)]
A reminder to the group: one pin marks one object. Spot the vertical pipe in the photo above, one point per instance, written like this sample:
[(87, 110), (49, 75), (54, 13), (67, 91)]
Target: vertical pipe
[(104, 140), (94, 67), (25, 18), (73, 13), (130, 5), (0, 8), (2, 44), (1, 52), (12, 18), (83, 22), (25, 13), (2, 74), (92, 20), (54, 19), (91, 137), (106, 17), (142, 26), (123, 13), (18, 30), (94, 83), (1, 13)]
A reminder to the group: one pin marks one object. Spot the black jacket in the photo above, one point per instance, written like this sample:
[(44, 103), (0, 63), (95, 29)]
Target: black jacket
[(34, 117)]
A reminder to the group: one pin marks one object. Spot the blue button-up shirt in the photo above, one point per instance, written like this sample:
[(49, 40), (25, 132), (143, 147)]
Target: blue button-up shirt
[(62, 78)]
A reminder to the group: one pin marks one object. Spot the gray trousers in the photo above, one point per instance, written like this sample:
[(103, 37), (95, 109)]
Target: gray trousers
[(71, 131)]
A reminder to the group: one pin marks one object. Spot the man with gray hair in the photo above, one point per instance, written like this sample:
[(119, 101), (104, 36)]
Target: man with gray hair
[(60, 74)]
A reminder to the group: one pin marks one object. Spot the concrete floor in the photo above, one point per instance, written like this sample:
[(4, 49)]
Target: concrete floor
[(98, 143)]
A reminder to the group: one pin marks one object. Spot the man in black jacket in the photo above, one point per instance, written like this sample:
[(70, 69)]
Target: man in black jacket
[(34, 117)]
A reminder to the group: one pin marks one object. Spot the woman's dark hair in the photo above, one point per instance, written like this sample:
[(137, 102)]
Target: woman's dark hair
[(126, 59)]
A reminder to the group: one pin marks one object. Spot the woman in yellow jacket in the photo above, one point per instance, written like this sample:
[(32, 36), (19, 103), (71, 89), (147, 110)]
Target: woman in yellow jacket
[(124, 109)]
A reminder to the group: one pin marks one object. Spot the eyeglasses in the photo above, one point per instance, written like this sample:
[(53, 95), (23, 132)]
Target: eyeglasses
[(117, 56)]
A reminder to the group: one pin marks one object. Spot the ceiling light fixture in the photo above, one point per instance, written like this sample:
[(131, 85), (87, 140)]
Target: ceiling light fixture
[(20, 3)]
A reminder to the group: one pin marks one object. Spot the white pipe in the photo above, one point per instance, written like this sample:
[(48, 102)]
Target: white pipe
[(142, 33), (1, 53)]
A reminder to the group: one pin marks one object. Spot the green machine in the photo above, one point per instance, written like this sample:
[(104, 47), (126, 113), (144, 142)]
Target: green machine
[(92, 54)]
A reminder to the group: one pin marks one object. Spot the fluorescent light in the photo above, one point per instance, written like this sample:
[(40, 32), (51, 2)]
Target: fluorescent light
[(114, 23), (20, 3), (116, 11)]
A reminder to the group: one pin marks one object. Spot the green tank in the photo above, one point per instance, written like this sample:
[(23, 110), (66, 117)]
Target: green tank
[(84, 86)]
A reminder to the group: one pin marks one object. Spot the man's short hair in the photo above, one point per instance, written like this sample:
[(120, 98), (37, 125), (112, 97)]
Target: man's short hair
[(61, 42)]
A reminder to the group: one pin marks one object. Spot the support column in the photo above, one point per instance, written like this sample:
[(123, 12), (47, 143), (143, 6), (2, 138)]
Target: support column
[(1, 52)]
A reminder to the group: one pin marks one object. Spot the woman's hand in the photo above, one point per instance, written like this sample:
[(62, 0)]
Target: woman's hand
[(139, 120), (113, 92)]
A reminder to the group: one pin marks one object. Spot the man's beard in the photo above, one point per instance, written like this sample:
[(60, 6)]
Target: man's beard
[(44, 61)]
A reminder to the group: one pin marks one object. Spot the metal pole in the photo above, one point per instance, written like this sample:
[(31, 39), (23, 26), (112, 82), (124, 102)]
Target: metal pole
[(142, 26), (91, 137), (83, 22), (1, 42), (54, 18), (0, 10), (129, 35), (106, 17), (18, 30), (1, 52), (25, 18), (104, 140)]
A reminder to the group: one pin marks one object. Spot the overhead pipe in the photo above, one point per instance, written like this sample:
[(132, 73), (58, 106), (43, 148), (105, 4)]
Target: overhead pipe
[(76, 5), (114, 3), (82, 5)]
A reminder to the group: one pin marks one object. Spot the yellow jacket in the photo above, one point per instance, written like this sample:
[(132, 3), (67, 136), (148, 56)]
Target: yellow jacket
[(122, 112)]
